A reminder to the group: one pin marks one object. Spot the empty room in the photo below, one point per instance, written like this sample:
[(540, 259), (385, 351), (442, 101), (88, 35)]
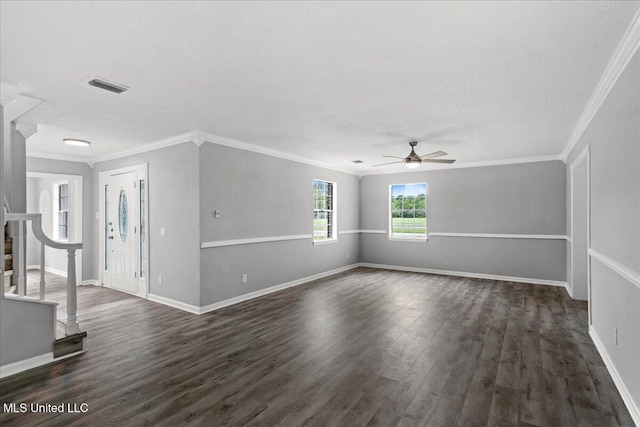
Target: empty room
[(320, 213)]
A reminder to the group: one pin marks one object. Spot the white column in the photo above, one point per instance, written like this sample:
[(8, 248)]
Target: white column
[(72, 299)]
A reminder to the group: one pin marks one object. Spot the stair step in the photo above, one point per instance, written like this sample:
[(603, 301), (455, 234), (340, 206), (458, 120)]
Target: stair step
[(69, 344)]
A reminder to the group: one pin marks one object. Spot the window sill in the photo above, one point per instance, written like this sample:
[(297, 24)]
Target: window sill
[(420, 240), (324, 242)]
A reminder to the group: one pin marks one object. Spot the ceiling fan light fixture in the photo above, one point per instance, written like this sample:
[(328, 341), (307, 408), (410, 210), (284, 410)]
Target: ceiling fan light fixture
[(76, 142), (412, 164)]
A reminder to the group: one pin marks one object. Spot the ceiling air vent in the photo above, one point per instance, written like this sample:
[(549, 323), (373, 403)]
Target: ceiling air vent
[(111, 87)]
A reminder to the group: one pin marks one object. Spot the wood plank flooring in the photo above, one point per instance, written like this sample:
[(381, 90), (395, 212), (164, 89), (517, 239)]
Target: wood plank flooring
[(367, 347)]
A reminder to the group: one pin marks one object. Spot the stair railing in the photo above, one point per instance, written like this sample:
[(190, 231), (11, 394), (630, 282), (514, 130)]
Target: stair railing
[(72, 326)]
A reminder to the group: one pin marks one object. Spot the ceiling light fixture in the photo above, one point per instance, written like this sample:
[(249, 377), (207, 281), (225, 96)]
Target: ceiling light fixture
[(107, 85), (76, 142)]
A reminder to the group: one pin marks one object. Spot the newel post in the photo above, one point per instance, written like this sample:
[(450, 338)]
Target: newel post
[(72, 299)]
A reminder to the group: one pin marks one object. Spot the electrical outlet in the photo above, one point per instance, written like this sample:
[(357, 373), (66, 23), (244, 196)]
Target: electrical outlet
[(347, 255), (244, 278), (615, 335), (216, 214), (160, 280)]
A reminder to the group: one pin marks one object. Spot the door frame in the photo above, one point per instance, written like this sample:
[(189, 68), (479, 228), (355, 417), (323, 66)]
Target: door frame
[(76, 216), (584, 155), (142, 172)]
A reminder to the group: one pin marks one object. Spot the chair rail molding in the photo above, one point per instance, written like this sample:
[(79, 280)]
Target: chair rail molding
[(235, 242), (627, 273), (501, 236)]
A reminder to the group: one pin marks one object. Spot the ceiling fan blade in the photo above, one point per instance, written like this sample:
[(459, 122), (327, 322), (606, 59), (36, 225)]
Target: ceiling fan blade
[(438, 161), (433, 155), (394, 157), (383, 164)]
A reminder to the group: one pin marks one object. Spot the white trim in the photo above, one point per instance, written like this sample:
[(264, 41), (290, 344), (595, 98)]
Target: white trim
[(173, 303), (623, 271), (584, 155), (55, 271), (151, 146), (26, 365), (27, 298), (33, 267), (234, 242), (334, 212), (632, 406), (623, 54), (142, 172), (240, 145), (470, 165), (93, 282), (235, 300), (363, 231), (502, 236), (569, 288), (52, 156), (409, 239), (464, 274), (324, 242), (272, 289)]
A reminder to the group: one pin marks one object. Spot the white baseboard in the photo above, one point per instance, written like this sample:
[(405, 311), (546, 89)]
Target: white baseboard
[(632, 406), (276, 288), (25, 365), (173, 303), (569, 287), (235, 300), (33, 267), (54, 271), (90, 282), (464, 274)]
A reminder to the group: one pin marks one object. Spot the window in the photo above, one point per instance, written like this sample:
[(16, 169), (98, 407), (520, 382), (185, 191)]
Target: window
[(107, 224), (324, 218), (143, 231), (408, 211), (61, 209)]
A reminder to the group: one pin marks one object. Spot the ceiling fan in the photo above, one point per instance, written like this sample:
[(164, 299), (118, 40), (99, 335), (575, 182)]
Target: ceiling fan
[(413, 160)]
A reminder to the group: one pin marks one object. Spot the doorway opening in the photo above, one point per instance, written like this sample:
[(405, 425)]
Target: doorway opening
[(580, 238), (58, 198)]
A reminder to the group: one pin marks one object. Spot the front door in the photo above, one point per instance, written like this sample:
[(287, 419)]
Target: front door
[(121, 226)]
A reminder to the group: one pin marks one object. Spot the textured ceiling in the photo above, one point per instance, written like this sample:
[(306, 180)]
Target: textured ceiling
[(327, 81)]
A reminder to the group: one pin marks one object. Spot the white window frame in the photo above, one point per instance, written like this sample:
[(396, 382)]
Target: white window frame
[(408, 238), (56, 210), (333, 212)]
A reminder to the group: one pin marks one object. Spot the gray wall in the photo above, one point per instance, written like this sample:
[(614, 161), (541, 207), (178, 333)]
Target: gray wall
[(263, 196), (523, 198), (35, 164), (173, 204), (27, 329), (614, 140)]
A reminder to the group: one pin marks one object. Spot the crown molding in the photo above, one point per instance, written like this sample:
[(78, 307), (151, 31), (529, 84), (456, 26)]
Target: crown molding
[(167, 142), (52, 156), (623, 54), (473, 165), (240, 145), (26, 129), (8, 93)]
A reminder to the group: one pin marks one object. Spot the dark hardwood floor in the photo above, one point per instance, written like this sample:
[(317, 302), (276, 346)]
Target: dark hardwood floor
[(367, 347)]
